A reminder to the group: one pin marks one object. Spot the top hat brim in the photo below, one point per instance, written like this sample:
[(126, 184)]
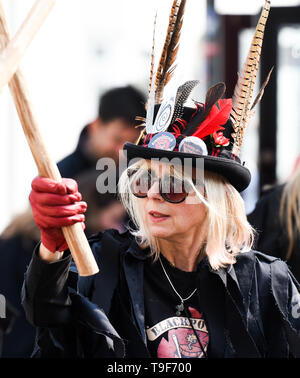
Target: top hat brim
[(238, 175)]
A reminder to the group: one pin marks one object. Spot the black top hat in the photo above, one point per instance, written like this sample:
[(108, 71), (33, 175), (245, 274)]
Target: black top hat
[(212, 131)]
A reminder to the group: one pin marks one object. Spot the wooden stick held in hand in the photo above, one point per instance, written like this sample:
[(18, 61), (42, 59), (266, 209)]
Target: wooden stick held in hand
[(75, 237)]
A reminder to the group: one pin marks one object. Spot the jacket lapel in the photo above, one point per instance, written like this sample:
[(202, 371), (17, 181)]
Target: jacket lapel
[(237, 286), (212, 301), (134, 274), (108, 258)]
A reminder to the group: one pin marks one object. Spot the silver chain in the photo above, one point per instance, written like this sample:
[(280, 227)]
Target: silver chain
[(182, 299), (180, 308)]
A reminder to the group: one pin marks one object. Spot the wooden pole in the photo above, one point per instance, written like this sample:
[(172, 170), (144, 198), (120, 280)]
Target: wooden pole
[(75, 237)]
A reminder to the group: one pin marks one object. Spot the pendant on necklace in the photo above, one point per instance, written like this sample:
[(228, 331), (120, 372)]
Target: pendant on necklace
[(179, 309)]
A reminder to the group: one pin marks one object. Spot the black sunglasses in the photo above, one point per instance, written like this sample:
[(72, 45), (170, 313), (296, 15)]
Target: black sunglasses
[(171, 188)]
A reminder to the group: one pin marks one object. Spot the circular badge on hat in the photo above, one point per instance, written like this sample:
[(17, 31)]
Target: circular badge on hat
[(164, 115), (193, 145), (163, 141)]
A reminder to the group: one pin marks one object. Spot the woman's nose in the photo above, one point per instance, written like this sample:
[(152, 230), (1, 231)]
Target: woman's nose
[(153, 192)]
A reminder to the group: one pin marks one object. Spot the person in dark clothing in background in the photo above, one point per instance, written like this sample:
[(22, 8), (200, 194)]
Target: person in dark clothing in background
[(104, 210), (276, 218), (16, 243), (8, 316), (106, 136)]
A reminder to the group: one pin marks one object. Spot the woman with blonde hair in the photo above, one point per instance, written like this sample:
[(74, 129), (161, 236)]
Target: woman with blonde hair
[(276, 218), (183, 282)]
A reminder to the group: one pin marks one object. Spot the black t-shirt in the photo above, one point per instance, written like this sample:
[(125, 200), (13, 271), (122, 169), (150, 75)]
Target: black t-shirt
[(169, 334)]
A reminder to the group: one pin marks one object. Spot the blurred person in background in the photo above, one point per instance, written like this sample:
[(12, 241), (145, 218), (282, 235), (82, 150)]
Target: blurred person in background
[(105, 136), (276, 218), (112, 214), (8, 315), (16, 245)]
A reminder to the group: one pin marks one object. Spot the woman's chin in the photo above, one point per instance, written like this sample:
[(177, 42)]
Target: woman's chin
[(159, 230)]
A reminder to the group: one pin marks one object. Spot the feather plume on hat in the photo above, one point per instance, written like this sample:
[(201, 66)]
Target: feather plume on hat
[(212, 131), (241, 106), (166, 66)]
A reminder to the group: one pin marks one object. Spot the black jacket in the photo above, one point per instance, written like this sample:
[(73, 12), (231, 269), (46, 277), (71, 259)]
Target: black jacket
[(271, 232), (252, 307)]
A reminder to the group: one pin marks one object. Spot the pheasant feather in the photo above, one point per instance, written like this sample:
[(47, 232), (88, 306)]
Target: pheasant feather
[(261, 91), (152, 57), (151, 95), (243, 92), (169, 53)]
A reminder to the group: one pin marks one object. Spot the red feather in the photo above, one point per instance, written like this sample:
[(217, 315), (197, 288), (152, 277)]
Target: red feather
[(217, 117)]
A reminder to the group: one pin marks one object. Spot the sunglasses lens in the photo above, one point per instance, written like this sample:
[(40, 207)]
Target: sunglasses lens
[(173, 190), (141, 183)]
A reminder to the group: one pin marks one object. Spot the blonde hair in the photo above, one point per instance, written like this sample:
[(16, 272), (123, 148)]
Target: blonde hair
[(226, 232), (290, 210)]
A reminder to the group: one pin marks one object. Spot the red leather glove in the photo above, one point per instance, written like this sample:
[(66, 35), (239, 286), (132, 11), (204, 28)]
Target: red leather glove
[(55, 205)]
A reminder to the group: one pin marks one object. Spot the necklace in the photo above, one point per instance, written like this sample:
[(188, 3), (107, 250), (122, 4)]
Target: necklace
[(180, 307)]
